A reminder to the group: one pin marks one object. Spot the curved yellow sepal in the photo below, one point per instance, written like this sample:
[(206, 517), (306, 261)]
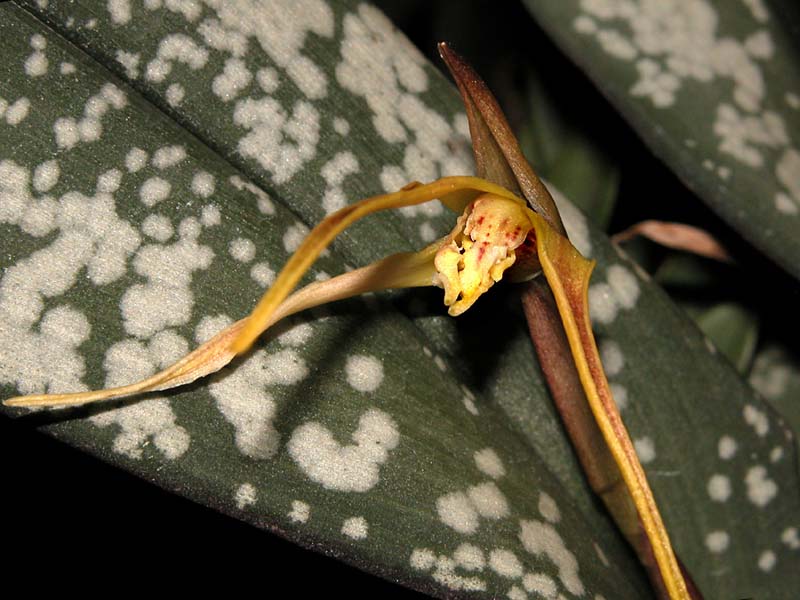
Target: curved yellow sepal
[(568, 273)]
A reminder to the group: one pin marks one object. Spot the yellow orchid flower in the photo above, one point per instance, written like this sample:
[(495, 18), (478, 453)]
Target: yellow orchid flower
[(493, 225), (496, 233)]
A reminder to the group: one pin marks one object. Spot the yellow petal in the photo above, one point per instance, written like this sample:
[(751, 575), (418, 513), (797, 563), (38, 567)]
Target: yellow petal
[(208, 358)]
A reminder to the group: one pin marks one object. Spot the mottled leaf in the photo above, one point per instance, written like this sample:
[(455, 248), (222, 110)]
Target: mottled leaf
[(159, 165), (712, 87), (132, 235), (776, 376)]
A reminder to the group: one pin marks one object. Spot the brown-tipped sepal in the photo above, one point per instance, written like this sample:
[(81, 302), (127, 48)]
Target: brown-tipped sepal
[(498, 156)]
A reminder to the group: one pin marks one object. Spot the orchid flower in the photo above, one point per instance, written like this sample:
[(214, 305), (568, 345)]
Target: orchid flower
[(496, 233), (493, 227)]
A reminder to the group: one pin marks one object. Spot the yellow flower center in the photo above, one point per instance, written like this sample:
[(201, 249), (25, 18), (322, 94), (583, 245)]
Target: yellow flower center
[(479, 249)]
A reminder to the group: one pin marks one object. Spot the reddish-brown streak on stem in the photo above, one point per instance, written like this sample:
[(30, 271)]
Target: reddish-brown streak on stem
[(602, 473), (556, 361)]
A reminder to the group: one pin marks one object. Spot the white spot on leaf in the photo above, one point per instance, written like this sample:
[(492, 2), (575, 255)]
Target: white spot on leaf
[(130, 61), (645, 449), (36, 64), (717, 541), (166, 300), (17, 111), (539, 583), (168, 156), (341, 126), (760, 488), (355, 528), (505, 563), (334, 172), (246, 495), (489, 462), (606, 299), (210, 217), (242, 249), (281, 28), (157, 227), (234, 78), (364, 373), (119, 11), (548, 508), (756, 419), (262, 274), (279, 142), (203, 184), (300, 512), (352, 468), (726, 447), (154, 190), (469, 557), (791, 538), (69, 131), (457, 512), (46, 175), (135, 160), (264, 202), (488, 501), (611, 357), (176, 47), (719, 488), (542, 538), (767, 560)]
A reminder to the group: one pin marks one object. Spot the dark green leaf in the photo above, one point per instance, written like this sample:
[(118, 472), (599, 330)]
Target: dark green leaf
[(713, 89), (125, 259)]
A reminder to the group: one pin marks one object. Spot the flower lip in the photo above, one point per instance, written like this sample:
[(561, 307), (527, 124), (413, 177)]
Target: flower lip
[(480, 248)]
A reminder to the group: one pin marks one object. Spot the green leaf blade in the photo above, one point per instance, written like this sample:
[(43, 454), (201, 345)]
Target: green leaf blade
[(439, 435), (712, 89), (343, 431)]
